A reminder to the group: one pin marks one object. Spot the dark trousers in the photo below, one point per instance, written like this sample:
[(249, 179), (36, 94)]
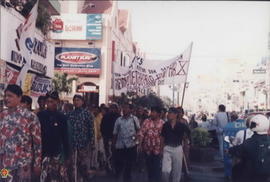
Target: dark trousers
[(124, 161), (109, 153), (153, 163)]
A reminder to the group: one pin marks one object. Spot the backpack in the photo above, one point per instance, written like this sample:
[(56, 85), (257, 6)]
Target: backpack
[(262, 157)]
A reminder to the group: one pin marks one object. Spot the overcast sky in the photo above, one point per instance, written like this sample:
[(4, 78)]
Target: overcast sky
[(219, 30)]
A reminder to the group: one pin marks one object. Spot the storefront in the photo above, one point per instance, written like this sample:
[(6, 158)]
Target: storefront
[(90, 92), (83, 62)]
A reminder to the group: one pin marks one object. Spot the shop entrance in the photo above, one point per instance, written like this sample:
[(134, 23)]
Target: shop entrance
[(90, 93)]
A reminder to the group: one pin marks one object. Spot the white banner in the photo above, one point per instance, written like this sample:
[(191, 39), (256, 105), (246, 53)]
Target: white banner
[(143, 74), (19, 49), (25, 32)]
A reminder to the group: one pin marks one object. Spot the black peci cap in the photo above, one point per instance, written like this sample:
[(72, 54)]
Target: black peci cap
[(14, 89), (53, 95), (173, 110)]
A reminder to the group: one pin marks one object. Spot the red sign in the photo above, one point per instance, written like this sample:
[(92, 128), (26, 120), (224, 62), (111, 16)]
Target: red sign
[(58, 25), (12, 75), (76, 57)]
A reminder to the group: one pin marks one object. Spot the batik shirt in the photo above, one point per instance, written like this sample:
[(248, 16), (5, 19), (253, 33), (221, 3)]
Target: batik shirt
[(82, 128), (20, 139), (125, 129), (150, 136)]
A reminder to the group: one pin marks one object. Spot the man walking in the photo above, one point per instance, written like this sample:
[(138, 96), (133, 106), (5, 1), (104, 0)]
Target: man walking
[(20, 139), (173, 133), (54, 132), (220, 121), (151, 144), (125, 131), (82, 138), (106, 128)]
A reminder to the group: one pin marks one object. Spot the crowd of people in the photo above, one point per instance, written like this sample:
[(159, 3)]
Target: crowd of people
[(69, 142)]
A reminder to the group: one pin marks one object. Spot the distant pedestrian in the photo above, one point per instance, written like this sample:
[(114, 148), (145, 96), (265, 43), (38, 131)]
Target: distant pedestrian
[(151, 144), (20, 139), (67, 108), (163, 115), (142, 114), (220, 121), (26, 102), (193, 123), (98, 154), (125, 132), (41, 103), (173, 133), (185, 144), (54, 132), (106, 128)]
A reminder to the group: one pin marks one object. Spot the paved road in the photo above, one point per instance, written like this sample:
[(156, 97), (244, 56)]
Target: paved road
[(207, 172), (201, 172)]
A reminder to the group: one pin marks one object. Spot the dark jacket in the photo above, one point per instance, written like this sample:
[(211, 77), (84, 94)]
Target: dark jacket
[(107, 124), (54, 133), (81, 128), (248, 152)]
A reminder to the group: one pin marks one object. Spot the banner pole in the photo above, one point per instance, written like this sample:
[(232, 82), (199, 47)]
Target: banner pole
[(183, 96), (184, 90)]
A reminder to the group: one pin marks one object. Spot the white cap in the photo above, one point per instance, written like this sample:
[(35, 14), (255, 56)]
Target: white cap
[(262, 124)]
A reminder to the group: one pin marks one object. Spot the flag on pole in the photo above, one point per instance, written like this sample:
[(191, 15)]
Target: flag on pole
[(25, 42)]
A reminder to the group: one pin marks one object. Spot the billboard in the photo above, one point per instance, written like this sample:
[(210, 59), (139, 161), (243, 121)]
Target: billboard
[(77, 27), (86, 61)]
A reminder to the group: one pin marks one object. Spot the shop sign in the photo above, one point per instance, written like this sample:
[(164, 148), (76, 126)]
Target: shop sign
[(77, 27), (78, 60)]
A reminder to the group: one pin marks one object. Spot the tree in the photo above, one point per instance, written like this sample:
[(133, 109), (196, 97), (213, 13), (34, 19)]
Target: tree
[(167, 101), (62, 83), (149, 101), (43, 21)]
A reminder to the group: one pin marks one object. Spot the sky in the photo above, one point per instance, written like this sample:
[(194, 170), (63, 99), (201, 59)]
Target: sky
[(220, 31)]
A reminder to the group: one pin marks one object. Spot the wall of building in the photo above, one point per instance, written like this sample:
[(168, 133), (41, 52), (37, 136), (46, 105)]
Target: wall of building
[(111, 32)]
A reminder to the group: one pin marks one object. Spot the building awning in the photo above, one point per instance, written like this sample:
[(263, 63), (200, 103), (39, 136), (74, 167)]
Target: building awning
[(88, 87)]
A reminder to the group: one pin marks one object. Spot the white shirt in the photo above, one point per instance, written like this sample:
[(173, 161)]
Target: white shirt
[(239, 137), (205, 125), (220, 120), (125, 129)]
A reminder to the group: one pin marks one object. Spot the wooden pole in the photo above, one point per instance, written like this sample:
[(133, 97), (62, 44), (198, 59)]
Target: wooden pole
[(184, 90), (183, 96)]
